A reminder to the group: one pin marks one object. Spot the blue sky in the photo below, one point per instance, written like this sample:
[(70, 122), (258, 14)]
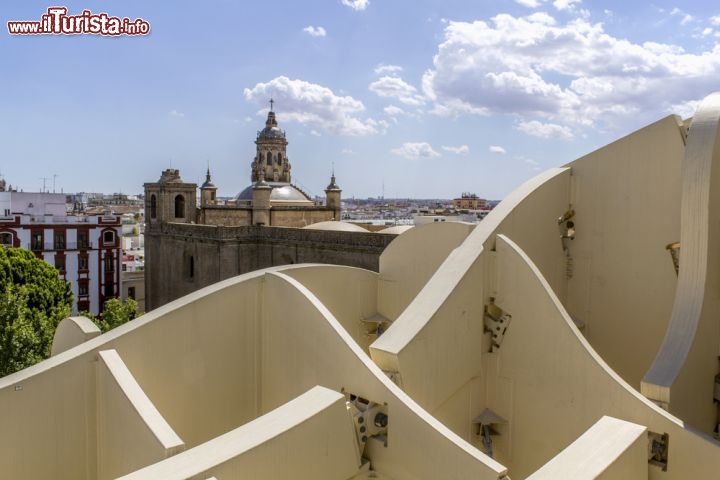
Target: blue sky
[(429, 98)]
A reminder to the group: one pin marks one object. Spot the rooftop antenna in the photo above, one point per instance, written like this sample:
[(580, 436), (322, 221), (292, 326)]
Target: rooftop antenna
[(44, 179), (55, 175)]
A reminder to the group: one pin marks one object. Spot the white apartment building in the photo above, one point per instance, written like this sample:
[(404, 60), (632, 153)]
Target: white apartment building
[(85, 249)]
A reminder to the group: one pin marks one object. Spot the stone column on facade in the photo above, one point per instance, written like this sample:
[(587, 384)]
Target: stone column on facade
[(261, 202)]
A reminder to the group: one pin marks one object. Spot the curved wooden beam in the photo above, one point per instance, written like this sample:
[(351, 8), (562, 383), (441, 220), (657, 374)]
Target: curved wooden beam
[(686, 363)]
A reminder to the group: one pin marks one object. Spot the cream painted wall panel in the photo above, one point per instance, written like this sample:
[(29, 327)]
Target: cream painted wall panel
[(48, 425), (198, 359), (446, 353), (73, 331), (300, 333), (322, 448), (609, 450), (53, 433), (131, 432), (436, 343), (193, 358), (530, 216), (682, 374), (349, 293), (562, 386), (626, 197), (467, 402), (310, 437), (411, 259), (500, 399)]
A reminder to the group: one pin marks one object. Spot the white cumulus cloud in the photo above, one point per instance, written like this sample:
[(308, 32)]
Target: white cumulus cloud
[(175, 113), (315, 31), (497, 149), (685, 18), (460, 150), (544, 130), (356, 4), (393, 111), (563, 76), (383, 69), (396, 87), (313, 105), (686, 109), (529, 3), (413, 151), (565, 4)]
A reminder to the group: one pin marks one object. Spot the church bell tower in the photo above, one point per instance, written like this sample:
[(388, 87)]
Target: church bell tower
[(271, 152)]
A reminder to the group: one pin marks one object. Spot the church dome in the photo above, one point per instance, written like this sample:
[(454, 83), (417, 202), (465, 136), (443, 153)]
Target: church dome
[(271, 129), (271, 132), (281, 193), (396, 229), (333, 225)]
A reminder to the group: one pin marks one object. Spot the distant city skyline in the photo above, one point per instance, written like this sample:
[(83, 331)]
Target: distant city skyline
[(406, 99)]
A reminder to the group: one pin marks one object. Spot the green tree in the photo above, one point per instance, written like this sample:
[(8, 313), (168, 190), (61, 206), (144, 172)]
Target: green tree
[(33, 300), (114, 314)]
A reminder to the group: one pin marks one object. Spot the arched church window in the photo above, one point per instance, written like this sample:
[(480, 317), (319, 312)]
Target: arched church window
[(153, 206), (269, 158), (279, 160), (179, 206)]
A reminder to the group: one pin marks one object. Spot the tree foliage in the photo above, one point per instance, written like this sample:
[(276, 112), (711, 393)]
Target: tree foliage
[(33, 300), (114, 314)]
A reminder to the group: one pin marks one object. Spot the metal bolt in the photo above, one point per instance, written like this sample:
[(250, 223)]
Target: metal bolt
[(381, 420)]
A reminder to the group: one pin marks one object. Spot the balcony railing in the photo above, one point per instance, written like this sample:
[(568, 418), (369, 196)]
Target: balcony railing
[(57, 219), (49, 246)]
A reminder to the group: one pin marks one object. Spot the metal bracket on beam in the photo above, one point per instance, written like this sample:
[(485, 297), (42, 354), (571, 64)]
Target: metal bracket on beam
[(370, 420), (567, 233), (487, 423), (674, 249), (377, 325), (658, 446), (496, 322)]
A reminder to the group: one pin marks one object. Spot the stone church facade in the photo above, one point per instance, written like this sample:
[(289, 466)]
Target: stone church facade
[(189, 246)]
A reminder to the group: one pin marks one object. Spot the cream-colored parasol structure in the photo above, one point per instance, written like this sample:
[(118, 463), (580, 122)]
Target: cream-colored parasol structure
[(552, 340)]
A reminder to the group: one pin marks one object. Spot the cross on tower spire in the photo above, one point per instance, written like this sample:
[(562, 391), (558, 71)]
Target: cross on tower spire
[(271, 104)]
